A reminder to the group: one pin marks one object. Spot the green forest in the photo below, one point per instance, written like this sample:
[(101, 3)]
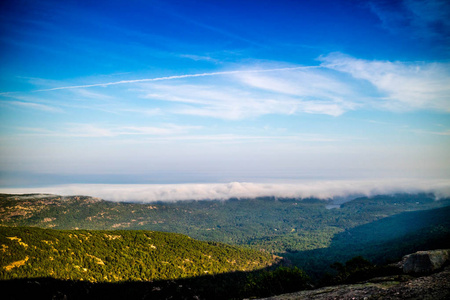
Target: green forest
[(235, 248), (109, 264), (115, 256), (276, 225)]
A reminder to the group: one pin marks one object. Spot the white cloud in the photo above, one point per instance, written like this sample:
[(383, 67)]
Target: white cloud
[(304, 82), (222, 191), (406, 86), (340, 84), (283, 91), (199, 57), (88, 95), (165, 78), (315, 90), (220, 101)]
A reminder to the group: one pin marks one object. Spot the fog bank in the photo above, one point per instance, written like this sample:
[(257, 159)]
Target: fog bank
[(223, 191)]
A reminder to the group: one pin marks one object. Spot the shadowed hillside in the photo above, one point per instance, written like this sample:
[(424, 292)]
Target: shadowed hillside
[(385, 240)]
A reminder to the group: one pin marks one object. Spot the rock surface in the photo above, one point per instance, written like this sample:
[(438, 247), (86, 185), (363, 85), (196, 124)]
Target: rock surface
[(425, 261), (434, 286), (431, 287)]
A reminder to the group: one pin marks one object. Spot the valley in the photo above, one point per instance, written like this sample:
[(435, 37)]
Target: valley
[(241, 241)]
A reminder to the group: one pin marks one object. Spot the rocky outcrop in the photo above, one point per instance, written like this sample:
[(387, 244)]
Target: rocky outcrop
[(431, 281), (425, 261), (431, 287)]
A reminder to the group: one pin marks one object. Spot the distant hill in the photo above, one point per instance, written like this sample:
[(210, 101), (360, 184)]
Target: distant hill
[(277, 225)]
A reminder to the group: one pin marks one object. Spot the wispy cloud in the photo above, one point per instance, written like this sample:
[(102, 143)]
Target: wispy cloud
[(105, 84), (222, 101), (250, 93), (223, 191), (94, 130), (337, 86), (199, 57), (314, 90), (406, 86), (341, 83), (168, 132), (247, 138), (32, 105), (442, 133), (63, 101)]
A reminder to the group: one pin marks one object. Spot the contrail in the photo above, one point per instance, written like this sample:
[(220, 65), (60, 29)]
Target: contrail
[(172, 78)]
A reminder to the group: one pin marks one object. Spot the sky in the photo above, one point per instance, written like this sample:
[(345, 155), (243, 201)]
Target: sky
[(219, 92)]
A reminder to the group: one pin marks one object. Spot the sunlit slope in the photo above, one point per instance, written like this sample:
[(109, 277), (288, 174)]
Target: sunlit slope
[(117, 255)]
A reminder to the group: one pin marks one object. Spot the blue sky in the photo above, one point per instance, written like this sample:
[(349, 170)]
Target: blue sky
[(222, 91)]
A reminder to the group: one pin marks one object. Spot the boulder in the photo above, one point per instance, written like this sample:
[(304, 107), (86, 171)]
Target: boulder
[(425, 261)]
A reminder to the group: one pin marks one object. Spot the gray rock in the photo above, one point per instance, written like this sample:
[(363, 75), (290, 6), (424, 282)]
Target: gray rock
[(429, 287), (425, 261)]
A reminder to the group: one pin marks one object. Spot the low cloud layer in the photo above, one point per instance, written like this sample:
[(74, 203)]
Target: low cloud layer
[(223, 191)]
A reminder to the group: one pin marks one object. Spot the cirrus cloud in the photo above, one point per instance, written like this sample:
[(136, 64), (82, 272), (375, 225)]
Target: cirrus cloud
[(405, 85)]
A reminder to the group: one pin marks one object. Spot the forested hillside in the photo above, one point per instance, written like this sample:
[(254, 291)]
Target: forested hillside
[(114, 256), (382, 241), (277, 225), (305, 231), (81, 264)]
